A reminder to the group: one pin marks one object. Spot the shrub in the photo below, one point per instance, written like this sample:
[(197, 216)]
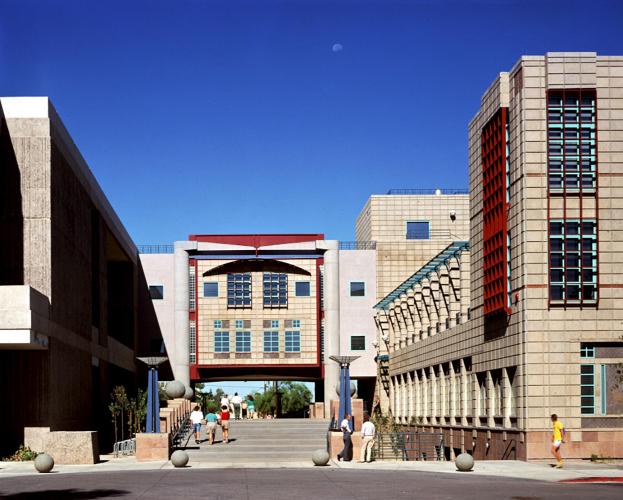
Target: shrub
[(23, 454)]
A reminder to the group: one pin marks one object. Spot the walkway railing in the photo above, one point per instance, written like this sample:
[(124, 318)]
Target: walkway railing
[(428, 191), (155, 248), (409, 445), (181, 430), (357, 245), (125, 448)]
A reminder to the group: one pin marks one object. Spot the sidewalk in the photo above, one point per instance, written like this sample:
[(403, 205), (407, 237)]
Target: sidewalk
[(539, 471)]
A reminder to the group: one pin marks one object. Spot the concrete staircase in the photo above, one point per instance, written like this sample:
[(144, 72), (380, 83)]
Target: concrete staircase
[(262, 441)]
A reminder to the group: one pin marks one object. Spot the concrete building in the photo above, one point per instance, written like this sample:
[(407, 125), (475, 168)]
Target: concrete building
[(74, 308), (542, 333)]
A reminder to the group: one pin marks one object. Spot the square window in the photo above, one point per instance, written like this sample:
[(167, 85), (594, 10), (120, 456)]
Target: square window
[(274, 323), (357, 343), (587, 351), (210, 289), (239, 323), (296, 323), (418, 230), (156, 292), (357, 289), (302, 288), (218, 324)]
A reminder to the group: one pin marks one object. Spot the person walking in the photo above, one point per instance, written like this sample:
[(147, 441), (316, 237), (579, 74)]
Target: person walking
[(196, 416), (211, 422), (558, 437), (225, 400), (346, 454), (223, 418), (367, 439), (236, 402), (250, 407)]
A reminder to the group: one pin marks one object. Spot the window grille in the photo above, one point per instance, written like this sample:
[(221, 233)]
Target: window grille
[(275, 290), (239, 291)]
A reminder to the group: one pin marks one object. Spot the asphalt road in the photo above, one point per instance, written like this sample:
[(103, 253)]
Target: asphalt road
[(293, 484)]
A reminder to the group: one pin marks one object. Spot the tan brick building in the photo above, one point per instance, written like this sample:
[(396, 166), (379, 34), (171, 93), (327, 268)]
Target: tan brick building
[(542, 333)]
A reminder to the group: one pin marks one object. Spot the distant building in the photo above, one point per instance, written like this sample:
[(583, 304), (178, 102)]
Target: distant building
[(541, 331), (74, 308)]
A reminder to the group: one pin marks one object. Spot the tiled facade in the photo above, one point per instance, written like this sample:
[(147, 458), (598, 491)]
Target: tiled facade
[(384, 219), (492, 382)]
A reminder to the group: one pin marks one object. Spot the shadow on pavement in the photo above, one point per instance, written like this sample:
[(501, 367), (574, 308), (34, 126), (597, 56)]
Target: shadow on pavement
[(69, 494)]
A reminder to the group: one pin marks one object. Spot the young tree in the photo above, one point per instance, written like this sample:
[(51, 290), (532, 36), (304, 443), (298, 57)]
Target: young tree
[(295, 397)]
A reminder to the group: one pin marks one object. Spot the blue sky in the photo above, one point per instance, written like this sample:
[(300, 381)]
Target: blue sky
[(225, 117)]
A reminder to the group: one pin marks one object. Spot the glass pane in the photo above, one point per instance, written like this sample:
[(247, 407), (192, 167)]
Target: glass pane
[(418, 230), (357, 289)]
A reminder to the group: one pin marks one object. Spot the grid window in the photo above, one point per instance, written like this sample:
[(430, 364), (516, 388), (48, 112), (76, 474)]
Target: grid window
[(275, 290), (243, 341), (357, 289), (210, 289), (192, 289), (156, 292), (357, 343), (418, 230), (239, 290), (573, 261), (296, 323), (192, 341), (271, 341), (293, 341), (571, 135), (274, 323), (221, 341), (587, 389), (302, 289), (587, 351), (218, 324)]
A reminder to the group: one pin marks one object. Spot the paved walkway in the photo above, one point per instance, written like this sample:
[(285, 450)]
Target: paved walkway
[(288, 484)]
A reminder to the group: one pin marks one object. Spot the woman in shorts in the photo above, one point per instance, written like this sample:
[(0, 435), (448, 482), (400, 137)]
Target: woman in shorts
[(224, 420), (211, 422), (196, 417)]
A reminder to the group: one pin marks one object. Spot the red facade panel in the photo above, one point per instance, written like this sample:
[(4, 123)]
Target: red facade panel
[(495, 209)]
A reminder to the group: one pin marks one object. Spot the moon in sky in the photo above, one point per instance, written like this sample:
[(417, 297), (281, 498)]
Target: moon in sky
[(337, 47)]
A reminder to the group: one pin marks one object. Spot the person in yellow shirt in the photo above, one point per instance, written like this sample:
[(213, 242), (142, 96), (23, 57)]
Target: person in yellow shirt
[(558, 437)]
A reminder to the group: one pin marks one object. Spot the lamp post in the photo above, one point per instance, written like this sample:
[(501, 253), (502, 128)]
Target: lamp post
[(153, 400), (345, 405)]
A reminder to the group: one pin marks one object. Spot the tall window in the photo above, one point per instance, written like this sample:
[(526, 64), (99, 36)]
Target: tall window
[(239, 290), (587, 389), (192, 292), (221, 341), (573, 261), (418, 230), (275, 290), (243, 341), (571, 137), (293, 341), (271, 341), (192, 341)]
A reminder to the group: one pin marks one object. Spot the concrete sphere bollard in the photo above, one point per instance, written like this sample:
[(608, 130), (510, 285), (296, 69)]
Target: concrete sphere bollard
[(179, 458), (464, 462), (353, 389), (175, 389), (44, 462), (188, 393), (320, 457)]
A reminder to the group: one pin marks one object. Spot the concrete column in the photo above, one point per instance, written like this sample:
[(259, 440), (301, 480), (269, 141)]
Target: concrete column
[(508, 396), (410, 330), (443, 395), (415, 318), (331, 321), (411, 389), (180, 362), (466, 399), (465, 287), (434, 395), (490, 403), (417, 413), (452, 411)]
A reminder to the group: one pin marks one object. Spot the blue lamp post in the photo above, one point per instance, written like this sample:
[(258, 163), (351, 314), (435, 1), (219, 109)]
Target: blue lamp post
[(153, 400), (345, 407)]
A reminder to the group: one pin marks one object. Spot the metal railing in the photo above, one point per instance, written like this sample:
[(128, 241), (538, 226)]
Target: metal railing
[(125, 448), (428, 191), (409, 445), (155, 248), (181, 429), (357, 245)]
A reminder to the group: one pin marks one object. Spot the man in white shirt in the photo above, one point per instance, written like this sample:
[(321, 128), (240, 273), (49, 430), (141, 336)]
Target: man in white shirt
[(367, 440), (225, 401), (347, 452), (236, 401), (196, 417)]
